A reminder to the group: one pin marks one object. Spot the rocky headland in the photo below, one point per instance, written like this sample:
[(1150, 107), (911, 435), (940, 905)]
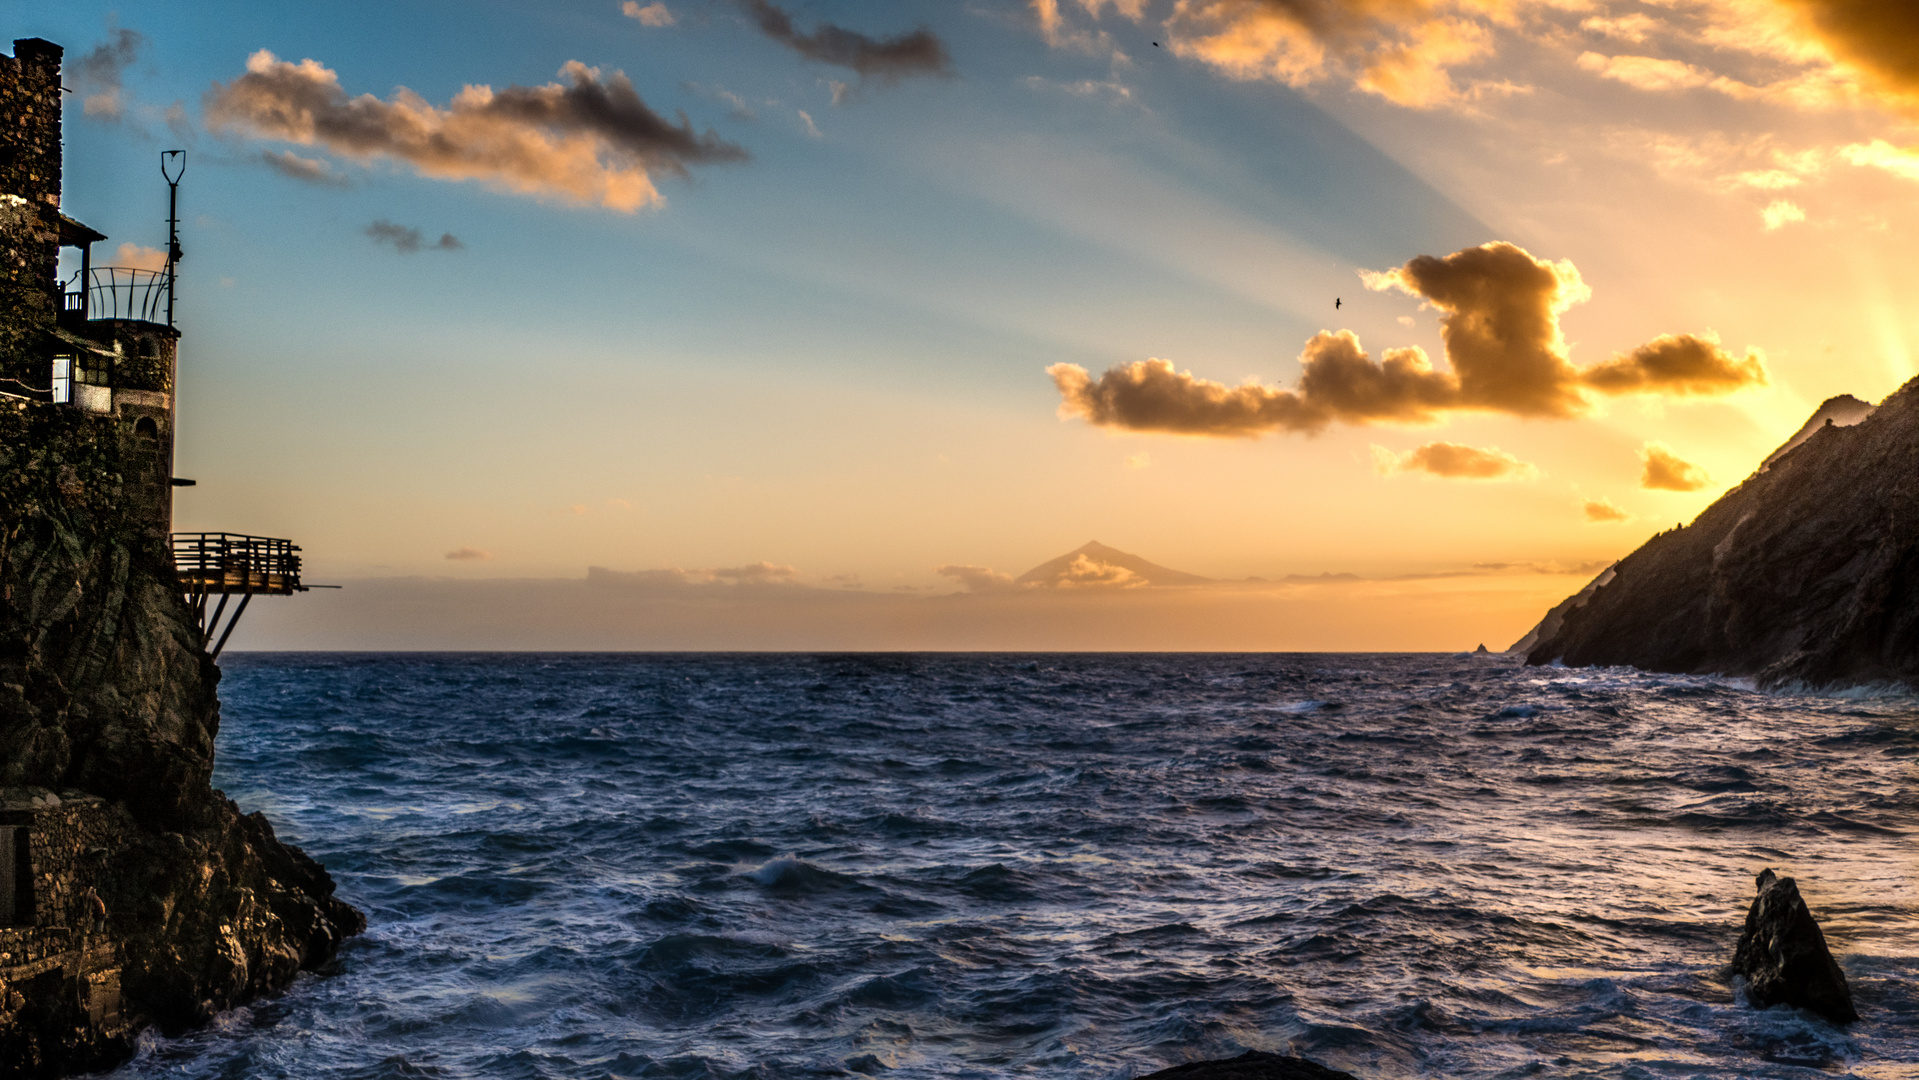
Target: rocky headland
[(1805, 574), (131, 892)]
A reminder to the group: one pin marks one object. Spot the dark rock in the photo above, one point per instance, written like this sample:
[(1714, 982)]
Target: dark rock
[(1783, 955), (1556, 617), (1805, 574), (141, 896), (1251, 1065), (1842, 411)]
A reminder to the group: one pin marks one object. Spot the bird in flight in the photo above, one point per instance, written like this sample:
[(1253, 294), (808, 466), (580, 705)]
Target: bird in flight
[(1335, 303)]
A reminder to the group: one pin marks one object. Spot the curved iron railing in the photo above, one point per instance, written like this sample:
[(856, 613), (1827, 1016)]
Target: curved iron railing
[(120, 292)]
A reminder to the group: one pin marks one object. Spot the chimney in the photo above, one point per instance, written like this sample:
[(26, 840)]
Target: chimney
[(31, 152)]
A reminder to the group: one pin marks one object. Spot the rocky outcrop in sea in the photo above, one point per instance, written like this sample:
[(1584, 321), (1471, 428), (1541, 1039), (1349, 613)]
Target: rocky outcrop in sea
[(1807, 573), (1783, 958), (131, 892)]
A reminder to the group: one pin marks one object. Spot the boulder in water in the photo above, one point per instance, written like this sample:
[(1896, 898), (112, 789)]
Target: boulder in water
[(1783, 955), (1251, 1065)]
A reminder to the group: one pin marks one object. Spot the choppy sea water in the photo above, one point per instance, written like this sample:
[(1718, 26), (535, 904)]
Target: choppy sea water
[(1060, 866)]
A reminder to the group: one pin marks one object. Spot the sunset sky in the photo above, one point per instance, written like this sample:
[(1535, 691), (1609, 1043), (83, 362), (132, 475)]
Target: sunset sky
[(830, 306)]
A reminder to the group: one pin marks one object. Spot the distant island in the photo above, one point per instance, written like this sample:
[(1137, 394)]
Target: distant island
[(1806, 574)]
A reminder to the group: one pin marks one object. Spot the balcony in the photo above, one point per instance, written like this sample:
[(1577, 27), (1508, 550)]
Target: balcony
[(231, 563), (228, 565), (117, 292)]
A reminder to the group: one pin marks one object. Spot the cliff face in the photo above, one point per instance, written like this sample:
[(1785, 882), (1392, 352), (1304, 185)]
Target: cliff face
[(138, 894), (1806, 573)]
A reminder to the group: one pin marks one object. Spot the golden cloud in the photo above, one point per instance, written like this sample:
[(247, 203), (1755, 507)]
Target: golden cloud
[(1646, 72), (1880, 154), (140, 257), (976, 579), (469, 554), (1680, 365), (655, 14), (590, 141), (1821, 54), (1667, 471), (1454, 461), (1086, 572), (1500, 310), (1599, 511), (1402, 50)]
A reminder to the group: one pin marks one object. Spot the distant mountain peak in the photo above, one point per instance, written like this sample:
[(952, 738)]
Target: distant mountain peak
[(1097, 565)]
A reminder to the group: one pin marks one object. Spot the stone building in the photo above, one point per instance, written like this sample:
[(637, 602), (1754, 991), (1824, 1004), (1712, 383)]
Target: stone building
[(132, 894), (98, 345), (100, 341)]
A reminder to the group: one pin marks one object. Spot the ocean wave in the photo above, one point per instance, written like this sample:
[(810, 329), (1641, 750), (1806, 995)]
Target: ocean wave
[(1060, 868)]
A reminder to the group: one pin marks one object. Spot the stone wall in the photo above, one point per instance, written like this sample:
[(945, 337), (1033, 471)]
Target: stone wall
[(30, 137), (29, 211), (60, 964), (67, 843)]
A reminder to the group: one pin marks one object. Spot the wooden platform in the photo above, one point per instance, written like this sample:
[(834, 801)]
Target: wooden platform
[(228, 565)]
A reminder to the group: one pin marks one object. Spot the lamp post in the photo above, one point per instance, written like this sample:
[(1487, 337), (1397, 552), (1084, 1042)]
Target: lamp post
[(173, 165)]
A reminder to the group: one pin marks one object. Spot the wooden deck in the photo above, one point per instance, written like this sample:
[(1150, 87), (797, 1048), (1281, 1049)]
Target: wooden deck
[(228, 565)]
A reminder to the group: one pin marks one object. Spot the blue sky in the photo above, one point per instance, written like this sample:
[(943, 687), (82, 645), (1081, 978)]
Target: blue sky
[(832, 356)]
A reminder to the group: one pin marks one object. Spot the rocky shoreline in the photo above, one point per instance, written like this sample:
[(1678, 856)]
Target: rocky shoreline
[(135, 894)]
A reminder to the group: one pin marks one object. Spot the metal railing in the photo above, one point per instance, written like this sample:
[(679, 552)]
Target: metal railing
[(229, 564), (118, 292)]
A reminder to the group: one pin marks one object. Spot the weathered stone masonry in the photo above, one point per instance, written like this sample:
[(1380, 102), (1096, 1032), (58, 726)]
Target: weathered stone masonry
[(135, 894)]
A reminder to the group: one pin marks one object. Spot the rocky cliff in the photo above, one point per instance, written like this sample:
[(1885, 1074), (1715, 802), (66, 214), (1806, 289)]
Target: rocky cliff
[(131, 892), (1806, 573)]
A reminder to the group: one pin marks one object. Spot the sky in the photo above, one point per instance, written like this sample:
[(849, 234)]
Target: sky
[(1399, 319)]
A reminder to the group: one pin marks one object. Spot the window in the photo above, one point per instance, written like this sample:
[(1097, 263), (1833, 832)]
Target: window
[(93, 369), (16, 879), (146, 430), (63, 380)]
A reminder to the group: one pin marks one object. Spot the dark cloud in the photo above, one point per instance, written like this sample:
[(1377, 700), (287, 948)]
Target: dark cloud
[(1880, 38), (407, 240), (469, 554), (1500, 322), (1666, 471), (591, 140), (757, 573), (1151, 395), (97, 75), (306, 170), (918, 52), (1455, 461), (1500, 310)]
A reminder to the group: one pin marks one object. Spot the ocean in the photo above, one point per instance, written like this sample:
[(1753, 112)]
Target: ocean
[(1060, 866)]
